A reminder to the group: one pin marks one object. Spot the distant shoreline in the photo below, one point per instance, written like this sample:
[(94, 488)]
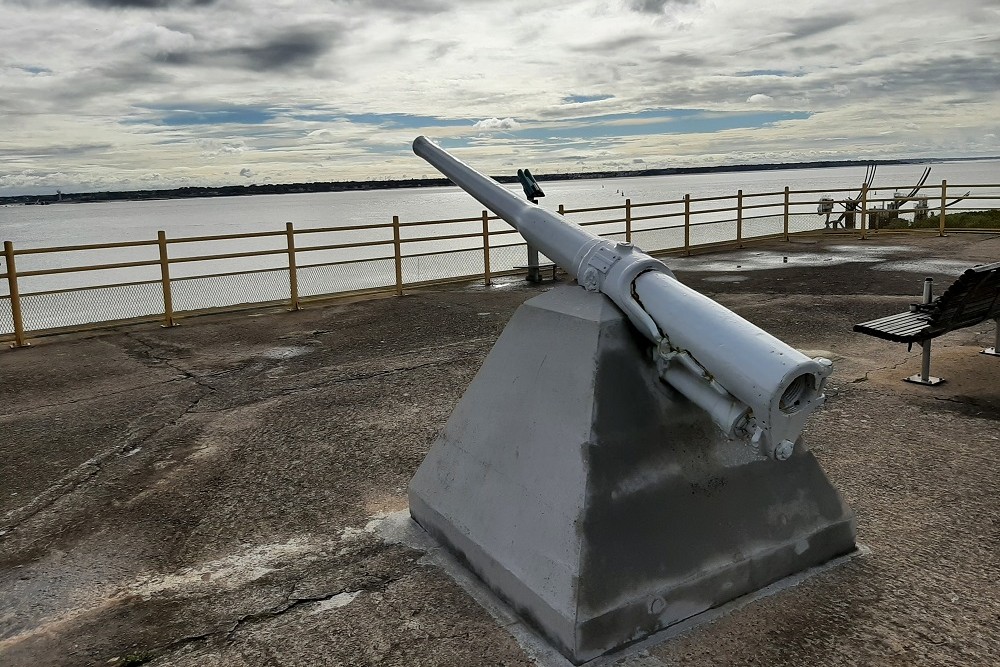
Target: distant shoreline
[(348, 186)]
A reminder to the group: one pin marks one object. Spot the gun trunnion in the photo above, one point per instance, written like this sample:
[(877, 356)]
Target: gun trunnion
[(594, 474)]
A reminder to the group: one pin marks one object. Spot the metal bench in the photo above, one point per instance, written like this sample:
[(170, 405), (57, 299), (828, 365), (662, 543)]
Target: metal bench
[(973, 298)]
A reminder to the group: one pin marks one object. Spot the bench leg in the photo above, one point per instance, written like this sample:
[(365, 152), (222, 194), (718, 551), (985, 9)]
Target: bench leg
[(995, 350), (924, 377), (534, 274)]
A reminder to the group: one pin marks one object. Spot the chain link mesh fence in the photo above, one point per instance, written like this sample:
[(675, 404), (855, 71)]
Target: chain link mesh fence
[(656, 240), (6, 317), (324, 279), (220, 291), (505, 258), (806, 222), (337, 261), (764, 225), (443, 265), (90, 305), (713, 232)]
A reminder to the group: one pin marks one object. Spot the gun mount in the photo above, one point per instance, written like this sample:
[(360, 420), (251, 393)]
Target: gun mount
[(753, 385), (592, 474)]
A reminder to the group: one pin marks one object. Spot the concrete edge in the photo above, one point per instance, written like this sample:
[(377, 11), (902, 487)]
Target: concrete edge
[(400, 528)]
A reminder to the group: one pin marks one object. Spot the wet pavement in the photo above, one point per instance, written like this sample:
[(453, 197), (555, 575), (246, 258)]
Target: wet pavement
[(232, 491)]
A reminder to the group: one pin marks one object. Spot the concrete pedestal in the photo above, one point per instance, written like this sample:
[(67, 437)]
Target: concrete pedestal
[(600, 503)]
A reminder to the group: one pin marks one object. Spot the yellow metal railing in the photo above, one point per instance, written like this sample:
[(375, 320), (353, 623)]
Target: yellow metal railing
[(292, 267)]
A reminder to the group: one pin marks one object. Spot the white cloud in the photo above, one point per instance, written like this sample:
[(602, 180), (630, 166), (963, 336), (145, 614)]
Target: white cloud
[(336, 89), (246, 172), (496, 124)]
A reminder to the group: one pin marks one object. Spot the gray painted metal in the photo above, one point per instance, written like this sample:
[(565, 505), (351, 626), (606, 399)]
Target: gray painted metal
[(924, 376), (752, 385), (597, 500)]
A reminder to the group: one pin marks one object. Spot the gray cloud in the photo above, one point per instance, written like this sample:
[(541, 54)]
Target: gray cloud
[(617, 43), (157, 78), (658, 6), (146, 4), (810, 26), (403, 6), (296, 49)]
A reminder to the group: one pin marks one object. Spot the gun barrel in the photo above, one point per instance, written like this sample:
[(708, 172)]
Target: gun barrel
[(752, 384), (559, 239)]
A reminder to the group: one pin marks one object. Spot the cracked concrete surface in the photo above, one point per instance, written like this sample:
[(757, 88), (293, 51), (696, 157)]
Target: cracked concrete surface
[(206, 494)]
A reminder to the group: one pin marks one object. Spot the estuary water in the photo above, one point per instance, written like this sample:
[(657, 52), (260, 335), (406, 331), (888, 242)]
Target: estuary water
[(72, 224), (71, 298)]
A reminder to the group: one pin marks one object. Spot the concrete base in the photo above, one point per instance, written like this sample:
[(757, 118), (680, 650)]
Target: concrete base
[(600, 503), (919, 379)]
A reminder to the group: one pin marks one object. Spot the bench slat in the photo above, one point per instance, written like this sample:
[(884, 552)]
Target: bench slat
[(971, 299), (905, 327)]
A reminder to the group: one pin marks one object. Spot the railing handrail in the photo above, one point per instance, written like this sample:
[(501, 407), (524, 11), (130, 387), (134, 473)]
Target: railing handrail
[(686, 213)]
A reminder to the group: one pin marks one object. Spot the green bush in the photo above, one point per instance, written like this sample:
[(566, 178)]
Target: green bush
[(959, 220)]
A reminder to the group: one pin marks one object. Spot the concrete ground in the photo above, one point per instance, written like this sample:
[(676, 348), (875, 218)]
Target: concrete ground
[(215, 493)]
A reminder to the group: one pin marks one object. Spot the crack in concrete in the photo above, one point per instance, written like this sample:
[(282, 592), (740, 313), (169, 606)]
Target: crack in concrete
[(169, 363), (85, 399), (959, 401), (290, 604), (86, 472), (909, 357)]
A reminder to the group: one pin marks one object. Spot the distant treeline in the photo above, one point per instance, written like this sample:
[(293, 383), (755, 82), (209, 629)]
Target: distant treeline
[(341, 186)]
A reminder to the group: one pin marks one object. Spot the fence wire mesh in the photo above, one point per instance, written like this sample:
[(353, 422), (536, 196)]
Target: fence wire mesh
[(656, 240), (70, 299), (763, 226), (333, 278), (6, 317), (90, 305), (198, 293), (444, 265), (714, 232), (805, 222), (506, 258)]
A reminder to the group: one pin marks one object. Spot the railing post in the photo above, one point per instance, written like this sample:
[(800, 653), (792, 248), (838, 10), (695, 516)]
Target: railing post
[(786, 212), (486, 249), (687, 224), (864, 212), (398, 249), (562, 210), (293, 277), (168, 299), (628, 220), (944, 203), (739, 219), (15, 296)]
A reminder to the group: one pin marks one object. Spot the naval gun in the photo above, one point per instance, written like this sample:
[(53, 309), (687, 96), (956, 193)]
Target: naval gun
[(754, 386), (594, 473)]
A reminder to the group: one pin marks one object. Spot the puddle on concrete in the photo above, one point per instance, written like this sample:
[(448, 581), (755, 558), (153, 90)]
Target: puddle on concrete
[(949, 267), (725, 279), (755, 260)]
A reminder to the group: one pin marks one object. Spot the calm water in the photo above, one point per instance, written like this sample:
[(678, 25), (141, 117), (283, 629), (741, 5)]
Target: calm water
[(75, 224), (70, 224)]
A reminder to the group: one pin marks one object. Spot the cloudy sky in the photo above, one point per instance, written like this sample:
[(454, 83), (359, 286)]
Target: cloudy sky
[(133, 94)]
